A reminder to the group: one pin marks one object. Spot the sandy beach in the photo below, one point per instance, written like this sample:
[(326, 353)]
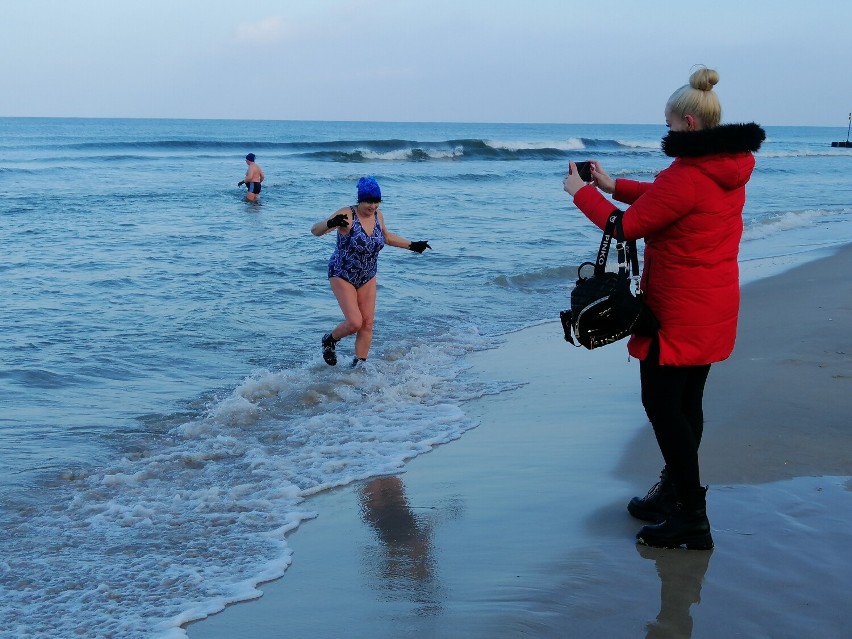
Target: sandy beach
[(519, 528)]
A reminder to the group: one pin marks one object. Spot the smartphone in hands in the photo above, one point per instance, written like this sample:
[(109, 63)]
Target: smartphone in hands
[(584, 170)]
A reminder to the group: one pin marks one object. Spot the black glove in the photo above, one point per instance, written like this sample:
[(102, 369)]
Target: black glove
[(241, 182), (419, 246), (338, 220)]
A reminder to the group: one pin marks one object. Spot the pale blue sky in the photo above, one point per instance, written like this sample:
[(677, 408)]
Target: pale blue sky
[(617, 61)]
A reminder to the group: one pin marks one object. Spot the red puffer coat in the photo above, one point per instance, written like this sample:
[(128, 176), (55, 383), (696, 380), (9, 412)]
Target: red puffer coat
[(691, 219)]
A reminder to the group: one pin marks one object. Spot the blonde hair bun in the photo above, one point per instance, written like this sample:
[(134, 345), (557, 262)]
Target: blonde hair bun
[(704, 79)]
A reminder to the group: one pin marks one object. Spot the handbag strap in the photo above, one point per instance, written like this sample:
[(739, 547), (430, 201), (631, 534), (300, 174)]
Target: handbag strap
[(625, 248), (613, 220)]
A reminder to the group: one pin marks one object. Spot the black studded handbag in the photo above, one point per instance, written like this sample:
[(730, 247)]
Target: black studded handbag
[(604, 307)]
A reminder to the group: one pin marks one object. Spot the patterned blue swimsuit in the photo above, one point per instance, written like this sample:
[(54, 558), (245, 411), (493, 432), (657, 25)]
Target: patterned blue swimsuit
[(355, 258)]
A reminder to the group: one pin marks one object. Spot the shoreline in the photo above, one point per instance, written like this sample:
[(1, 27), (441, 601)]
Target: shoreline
[(519, 528)]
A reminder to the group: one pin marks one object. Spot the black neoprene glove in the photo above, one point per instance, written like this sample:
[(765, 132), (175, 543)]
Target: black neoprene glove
[(338, 220), (241, 182), (419, 246)]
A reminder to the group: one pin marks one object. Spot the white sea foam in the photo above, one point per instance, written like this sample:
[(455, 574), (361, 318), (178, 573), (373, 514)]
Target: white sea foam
[(571, 144), (805, 153), (775, 244), (412, 153), (771, 226), (640, 144), (388, 156), (202, 516)]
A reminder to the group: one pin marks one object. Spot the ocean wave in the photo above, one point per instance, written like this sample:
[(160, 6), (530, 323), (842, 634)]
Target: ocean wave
[(390, 150), (634, 173), (640, 144), (805, 153), (19, 171), (37, 378), (538, 279), (571, 144), (764, 227)]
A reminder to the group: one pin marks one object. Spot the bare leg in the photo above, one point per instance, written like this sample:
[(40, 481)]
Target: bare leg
[(367, 306), (347, 299), (359, 309)]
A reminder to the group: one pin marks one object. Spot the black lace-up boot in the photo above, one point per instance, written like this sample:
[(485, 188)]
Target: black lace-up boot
[(687, 525), (657, 504)]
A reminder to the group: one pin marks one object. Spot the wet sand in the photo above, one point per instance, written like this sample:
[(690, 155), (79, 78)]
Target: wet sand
[(519, 529)]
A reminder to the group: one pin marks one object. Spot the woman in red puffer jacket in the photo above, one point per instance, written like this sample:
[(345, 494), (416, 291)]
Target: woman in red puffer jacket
[(691, 219)]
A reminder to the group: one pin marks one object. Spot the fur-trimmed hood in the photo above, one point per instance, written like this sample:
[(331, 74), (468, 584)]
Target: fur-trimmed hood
[(726, 138)]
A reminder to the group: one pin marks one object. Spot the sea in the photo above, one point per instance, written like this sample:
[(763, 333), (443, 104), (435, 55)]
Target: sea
[(166, 411)]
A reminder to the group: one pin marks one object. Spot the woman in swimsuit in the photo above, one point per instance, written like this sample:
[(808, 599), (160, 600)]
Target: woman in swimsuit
[(361, 234)]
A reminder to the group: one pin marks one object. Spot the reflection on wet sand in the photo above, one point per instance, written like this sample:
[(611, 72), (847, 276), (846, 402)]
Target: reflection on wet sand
[(400, 564), (681, 575)]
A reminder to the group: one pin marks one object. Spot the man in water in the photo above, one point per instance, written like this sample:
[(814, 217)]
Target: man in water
[(254, 176)]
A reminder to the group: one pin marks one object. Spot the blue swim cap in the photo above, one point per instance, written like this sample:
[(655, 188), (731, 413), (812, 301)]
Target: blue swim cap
[(250, 157), (368, 189)]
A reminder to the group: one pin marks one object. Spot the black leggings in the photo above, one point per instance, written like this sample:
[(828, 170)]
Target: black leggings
[(673, 397)]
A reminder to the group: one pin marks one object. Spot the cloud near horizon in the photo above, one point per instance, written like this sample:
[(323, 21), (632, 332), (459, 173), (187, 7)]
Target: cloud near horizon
[(267, 31)]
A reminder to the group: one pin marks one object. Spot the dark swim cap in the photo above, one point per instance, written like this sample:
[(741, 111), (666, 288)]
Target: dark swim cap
[(368, 189), (250, 157)]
